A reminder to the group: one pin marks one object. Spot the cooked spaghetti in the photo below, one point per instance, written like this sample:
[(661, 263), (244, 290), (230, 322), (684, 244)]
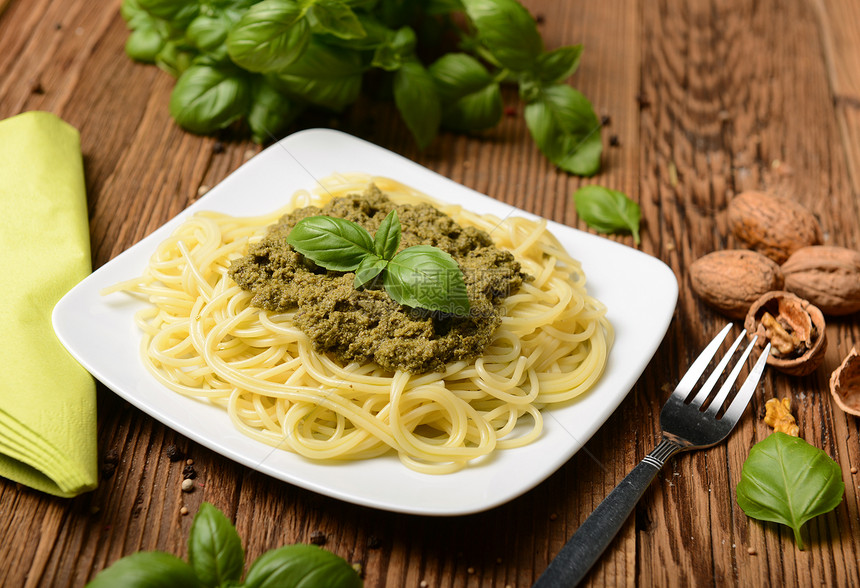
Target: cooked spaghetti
[(202, 338)]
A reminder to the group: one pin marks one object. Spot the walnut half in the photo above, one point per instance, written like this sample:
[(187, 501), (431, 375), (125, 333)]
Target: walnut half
[(795, 329)]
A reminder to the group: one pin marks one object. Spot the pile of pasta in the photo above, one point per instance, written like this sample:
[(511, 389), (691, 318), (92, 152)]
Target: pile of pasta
[(202, 338)]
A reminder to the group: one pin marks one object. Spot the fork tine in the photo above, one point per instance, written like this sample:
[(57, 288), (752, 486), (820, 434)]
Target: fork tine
[(706, 388), (697, 368), (736, 408), (721, 396)]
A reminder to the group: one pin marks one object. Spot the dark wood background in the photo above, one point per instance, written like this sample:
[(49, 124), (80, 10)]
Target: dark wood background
[(705, 98)]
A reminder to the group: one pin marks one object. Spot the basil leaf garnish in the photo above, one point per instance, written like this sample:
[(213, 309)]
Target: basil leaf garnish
[(271, 35), (786, 480), (214, 548), (307, 566), (607, 211), (333, 243), (420, 277), (146, 569), (426, 277), (563, 124), (370, 267), (387, 237)]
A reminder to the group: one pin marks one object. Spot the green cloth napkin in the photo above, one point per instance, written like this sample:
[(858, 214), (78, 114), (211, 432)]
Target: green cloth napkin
[(47, 400)]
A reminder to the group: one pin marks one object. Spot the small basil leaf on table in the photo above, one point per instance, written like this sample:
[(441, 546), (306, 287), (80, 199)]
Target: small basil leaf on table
[(207, 98), (336, 18), (426, 277), (146, 569), (305, 566), (387, 237), (370, 267), (214, 548), (417, 101), (563, 124), (271, 35), (559, 64), (786, 480), (607, 211), (471, 97), (507, 29), (333, 243)]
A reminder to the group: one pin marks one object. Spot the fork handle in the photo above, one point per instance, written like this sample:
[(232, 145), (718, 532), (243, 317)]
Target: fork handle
[(596, 533)]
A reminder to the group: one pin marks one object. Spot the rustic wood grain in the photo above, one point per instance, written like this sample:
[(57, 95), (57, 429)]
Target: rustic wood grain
[(705, 99)]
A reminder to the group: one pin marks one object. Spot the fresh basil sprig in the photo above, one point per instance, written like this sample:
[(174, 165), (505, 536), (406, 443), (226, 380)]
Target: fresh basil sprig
[(419, 277), (607, 211), (216, 559), (786, 480), (238, 59)]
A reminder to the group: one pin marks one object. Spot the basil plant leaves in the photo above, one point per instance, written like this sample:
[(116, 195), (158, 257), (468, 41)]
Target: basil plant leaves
[(216, 559), (419, 277), (265, 62), (786, 480)]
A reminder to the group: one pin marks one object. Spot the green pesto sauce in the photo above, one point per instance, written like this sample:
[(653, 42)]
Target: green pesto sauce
[(366, 324)]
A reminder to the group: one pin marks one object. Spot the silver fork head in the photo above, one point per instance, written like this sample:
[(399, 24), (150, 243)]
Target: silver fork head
[(686, 423)]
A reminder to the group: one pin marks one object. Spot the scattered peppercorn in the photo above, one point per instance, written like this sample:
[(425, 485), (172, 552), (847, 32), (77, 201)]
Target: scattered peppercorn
[(613, 141), (189, 462), (751, 550), (187, 486), (373, 542), (643, 101), (605, 120), (173, 453), (109, 463), (853, 470), (183, 511), (188, 472), (217, 147), (318, 538), (510, 111)]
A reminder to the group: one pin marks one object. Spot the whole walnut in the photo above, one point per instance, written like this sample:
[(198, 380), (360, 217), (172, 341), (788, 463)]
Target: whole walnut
[(827, 276), (775, 226), (732, 279)]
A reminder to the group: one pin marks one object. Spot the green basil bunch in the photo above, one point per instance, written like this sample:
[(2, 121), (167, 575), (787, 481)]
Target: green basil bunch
[(266, 61), (216, 559), (420, 276)]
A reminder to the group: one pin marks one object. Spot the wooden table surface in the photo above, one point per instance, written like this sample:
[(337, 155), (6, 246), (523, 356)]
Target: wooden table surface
[(704, 99)]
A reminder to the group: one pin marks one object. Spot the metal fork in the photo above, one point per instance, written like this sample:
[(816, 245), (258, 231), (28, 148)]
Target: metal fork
[(685, 426)]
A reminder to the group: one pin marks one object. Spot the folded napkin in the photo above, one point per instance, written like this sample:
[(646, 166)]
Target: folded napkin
[(47, 400)]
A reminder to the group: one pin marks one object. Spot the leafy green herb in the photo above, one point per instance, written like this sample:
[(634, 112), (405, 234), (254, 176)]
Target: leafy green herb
[(217, 559), (427, 277), (333, 243), (420, 276), (607, 211), (207, 98), (564, 126), (245, 55), (786, 480)]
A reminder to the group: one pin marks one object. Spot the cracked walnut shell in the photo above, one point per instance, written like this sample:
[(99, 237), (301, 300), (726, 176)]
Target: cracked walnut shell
[(795, 329), (845, 384)]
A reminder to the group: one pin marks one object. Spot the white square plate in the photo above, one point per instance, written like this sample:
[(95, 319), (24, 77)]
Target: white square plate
[(639, 291)]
